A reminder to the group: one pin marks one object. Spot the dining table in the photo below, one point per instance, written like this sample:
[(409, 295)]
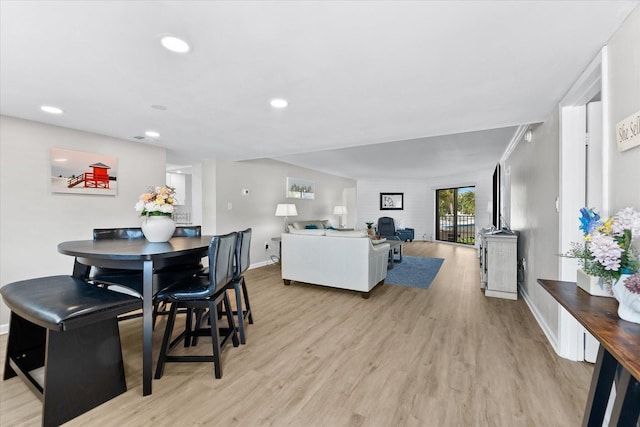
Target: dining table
[(141, 255)]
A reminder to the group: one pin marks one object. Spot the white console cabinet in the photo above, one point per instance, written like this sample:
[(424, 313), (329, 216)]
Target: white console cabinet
[(499, 264)]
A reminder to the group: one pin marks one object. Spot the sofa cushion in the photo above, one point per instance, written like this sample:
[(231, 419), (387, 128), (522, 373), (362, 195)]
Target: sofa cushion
[(309, 232), (351, 233)]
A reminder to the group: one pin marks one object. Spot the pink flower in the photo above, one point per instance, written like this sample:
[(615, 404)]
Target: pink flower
[(633, 283), (606, 251)]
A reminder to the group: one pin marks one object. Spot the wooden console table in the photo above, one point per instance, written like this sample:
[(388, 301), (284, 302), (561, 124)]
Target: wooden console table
[(619, 350)]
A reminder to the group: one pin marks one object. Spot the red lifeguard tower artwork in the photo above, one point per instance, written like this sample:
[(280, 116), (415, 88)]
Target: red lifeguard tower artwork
[(99, 178)]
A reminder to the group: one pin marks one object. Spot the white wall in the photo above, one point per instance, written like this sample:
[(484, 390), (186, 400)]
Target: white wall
[(534, 174), (265, 179), (33, 220), (419, 201), (624, 95)]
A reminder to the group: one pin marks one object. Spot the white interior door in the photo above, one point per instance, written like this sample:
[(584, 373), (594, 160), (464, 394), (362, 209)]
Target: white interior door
[(574, 181), (594, 191), (572, 198)]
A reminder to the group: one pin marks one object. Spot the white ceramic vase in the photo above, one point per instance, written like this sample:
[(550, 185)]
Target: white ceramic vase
[(593, 285), (628, 302), (158, 228)]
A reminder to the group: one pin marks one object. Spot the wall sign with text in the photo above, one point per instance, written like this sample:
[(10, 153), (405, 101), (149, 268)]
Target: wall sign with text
[(628, 132)]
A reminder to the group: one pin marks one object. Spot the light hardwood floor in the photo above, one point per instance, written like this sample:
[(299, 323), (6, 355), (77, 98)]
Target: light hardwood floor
[(446, 356)]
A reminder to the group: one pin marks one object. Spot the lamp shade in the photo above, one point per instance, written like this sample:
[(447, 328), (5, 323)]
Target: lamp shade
[(340, 210), (284, 209)]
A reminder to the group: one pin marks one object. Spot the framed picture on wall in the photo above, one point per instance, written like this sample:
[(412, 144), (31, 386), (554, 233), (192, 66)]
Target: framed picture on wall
[(300, 189), (391, 201), (78, 172)]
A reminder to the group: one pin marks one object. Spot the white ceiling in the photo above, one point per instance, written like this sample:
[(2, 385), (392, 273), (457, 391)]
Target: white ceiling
[(355, 73)]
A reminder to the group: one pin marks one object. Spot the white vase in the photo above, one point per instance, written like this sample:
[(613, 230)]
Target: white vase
[(593, 285), (158, 228), (628, 302)]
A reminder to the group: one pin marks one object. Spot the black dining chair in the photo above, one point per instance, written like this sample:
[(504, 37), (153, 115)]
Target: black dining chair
[(188, 231), (241, 263), (179, 265), (163, 275), (238, 284), (107, 277), (198, 293)]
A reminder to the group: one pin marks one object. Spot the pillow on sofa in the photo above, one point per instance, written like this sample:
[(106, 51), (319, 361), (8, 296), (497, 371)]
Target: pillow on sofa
[(311, 227), (300, 225)]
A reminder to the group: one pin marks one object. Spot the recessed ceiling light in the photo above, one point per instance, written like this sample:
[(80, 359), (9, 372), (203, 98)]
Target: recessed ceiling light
[(279, 103), (51, 110), (175, 44), (152, 134)]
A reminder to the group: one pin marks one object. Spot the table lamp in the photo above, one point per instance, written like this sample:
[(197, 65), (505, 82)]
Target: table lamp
[(340, 210), (286, 210)]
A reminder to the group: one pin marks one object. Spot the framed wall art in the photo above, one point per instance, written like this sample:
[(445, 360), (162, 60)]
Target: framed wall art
[(78, 172), (300, 189), (391, 201)]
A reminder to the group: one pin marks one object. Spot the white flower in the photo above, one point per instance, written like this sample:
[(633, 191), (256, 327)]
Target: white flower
[(627, 219), (157, 201), (139, 206)]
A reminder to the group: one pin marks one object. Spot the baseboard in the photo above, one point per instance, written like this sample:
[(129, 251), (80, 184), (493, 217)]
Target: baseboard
[(4, 329), (261, 264), (543, 325)]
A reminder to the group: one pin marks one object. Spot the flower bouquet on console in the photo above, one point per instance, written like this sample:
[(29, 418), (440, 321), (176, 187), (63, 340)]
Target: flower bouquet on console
[(608, 255), (607, 251)]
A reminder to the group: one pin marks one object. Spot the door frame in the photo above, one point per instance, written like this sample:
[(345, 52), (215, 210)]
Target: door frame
[(573, 117)]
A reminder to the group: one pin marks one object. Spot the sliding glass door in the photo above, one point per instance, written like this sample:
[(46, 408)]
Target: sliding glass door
[(456, 215)]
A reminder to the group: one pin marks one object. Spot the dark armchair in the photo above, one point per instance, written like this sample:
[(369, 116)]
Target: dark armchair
[(387, 228)]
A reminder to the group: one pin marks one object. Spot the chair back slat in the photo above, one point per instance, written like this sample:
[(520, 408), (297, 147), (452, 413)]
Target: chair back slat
[(221, 251), (118, 233), (188, 231), (241, 256)]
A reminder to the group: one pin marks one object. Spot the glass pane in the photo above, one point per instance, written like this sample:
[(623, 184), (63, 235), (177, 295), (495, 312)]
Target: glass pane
[(456, 215)]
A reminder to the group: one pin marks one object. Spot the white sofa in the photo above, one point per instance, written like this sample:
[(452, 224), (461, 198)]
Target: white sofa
[(340, 259)]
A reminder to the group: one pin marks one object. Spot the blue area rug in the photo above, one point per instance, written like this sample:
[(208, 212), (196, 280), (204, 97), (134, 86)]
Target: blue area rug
[(415, 272)]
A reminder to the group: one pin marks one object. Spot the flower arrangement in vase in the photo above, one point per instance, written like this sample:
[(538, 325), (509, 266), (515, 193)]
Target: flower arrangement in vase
[(157, 201), (608, 254), (157, 207)]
